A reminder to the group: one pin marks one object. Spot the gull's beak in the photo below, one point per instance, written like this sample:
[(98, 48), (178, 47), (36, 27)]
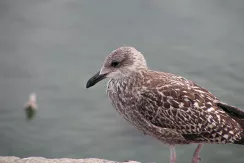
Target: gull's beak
[(95, 79)]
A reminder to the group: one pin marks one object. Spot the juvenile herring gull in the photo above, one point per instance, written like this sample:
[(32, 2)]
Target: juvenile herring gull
[(166, 106)]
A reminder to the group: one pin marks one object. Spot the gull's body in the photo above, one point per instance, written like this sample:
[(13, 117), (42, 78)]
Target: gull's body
[(166, 106)]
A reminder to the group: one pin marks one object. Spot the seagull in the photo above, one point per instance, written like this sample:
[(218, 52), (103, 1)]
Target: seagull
[(31, 107), (168, 107)]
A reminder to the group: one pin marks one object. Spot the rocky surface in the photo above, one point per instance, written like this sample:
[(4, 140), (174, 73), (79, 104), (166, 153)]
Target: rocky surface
[(61, 160)]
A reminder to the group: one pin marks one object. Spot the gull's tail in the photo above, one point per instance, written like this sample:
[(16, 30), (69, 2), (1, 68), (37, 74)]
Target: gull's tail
[(237, 114)]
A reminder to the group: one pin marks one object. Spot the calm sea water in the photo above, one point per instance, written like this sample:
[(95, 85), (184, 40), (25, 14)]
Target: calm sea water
[(52, 47)]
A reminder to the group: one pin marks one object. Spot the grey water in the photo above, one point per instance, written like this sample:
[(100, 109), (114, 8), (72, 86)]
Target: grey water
[(52, 47)]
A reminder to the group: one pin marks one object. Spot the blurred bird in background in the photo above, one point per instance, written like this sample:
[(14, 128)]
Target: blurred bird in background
[(31, 107)]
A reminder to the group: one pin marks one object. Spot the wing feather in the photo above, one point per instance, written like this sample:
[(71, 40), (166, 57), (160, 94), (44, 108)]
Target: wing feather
[(189, 110)]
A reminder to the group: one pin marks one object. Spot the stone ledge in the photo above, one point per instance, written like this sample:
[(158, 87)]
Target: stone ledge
[(12, 159)]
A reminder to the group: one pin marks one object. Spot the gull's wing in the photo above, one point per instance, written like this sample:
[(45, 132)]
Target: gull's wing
[(190, 110)]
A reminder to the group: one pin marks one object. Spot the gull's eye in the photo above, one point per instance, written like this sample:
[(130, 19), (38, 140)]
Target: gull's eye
[(115, 64)]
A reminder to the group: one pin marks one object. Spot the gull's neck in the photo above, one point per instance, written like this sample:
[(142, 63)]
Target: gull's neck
[(134, 78)]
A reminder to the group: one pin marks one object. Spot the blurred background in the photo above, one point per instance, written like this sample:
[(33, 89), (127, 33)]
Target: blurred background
[(52, 47)]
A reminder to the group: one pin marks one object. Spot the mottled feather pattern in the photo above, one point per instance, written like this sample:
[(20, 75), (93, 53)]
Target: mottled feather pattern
[(173, 109), (166, 106)]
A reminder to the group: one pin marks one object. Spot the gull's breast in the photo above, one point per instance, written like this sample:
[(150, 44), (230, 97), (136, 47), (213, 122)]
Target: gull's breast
[(122, 98)]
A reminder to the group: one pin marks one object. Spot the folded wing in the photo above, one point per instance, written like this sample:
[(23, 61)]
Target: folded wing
[(191, 111)]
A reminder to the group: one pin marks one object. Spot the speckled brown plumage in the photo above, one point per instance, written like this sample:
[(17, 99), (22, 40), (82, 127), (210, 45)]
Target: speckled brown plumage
[(179, 106), (166, 106)]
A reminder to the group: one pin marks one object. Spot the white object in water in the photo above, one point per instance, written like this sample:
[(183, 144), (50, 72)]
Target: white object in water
[(31, 104)]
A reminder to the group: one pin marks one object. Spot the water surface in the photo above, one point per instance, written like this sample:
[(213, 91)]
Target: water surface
[(52, 47)]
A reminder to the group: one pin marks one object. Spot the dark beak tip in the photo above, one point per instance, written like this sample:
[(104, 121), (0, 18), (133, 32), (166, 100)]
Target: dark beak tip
[(95, 79), (88, 85)]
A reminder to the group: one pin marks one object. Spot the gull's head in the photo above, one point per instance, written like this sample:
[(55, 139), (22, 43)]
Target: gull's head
[(121, 63)]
